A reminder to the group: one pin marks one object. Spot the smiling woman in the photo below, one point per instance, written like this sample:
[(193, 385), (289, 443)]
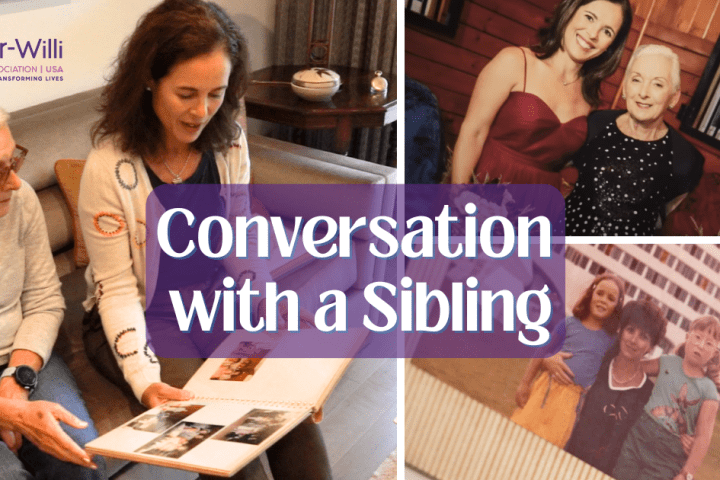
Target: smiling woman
[(168, 116), (527, 111), (633, 168)]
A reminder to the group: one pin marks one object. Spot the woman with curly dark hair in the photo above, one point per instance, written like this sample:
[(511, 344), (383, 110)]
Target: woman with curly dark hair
[(529, 105), (168, 116)]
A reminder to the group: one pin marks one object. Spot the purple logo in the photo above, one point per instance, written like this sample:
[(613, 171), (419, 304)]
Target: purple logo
[(49, 48)]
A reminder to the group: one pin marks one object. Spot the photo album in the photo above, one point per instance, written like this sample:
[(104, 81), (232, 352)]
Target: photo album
[(241, 407)]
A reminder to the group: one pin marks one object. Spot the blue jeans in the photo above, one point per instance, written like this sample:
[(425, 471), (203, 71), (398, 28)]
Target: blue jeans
[(55, 384)]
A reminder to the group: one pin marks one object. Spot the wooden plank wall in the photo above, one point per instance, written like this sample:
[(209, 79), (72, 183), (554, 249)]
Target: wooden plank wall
[(450, 66)]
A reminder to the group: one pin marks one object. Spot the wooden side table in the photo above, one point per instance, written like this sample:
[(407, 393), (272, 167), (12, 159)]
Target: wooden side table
[(354, 105)]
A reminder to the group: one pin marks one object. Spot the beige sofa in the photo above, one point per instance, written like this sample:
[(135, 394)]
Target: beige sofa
[(60, 129)]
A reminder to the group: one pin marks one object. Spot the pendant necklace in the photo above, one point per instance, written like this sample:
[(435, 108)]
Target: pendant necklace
[(177, 179)]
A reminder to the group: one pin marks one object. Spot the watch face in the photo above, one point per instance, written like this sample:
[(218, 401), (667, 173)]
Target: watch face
[(26, 376)]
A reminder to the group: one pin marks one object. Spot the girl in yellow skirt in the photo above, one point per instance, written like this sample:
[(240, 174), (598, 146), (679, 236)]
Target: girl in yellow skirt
[(548, 406)]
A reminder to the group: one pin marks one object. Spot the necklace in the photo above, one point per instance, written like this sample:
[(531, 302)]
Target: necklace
[(177, 179), (628, 380)]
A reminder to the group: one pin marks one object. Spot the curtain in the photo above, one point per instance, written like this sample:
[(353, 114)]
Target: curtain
[(364, 36)]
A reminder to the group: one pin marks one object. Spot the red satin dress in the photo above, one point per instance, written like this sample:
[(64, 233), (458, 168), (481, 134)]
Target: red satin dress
[(528, 143)]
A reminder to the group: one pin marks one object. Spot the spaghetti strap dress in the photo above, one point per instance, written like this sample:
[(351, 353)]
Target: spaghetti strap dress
[(528, 144)]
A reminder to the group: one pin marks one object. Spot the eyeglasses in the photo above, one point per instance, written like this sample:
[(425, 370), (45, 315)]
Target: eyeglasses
[(16, 161), (704, 341)]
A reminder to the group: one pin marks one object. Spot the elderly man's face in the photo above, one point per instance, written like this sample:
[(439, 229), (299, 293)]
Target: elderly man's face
[(7, 146), (649, 88)]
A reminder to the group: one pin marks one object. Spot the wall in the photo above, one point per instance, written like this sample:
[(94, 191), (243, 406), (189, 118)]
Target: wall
[(91, 32), (450, 66)]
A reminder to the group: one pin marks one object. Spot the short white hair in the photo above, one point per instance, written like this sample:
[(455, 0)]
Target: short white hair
[(4, 117), (663, 51)]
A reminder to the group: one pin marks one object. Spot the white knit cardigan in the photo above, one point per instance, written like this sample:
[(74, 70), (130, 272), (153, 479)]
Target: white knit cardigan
[(114, 190)]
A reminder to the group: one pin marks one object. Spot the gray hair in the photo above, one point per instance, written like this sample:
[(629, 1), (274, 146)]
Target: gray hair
[(663, 51), (4, 117)]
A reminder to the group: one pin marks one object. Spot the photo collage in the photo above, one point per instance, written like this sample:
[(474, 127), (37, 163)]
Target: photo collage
[(535, 198)]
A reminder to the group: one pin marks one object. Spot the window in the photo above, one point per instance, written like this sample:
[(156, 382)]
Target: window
[(576, 257), (596, 268), (704, 283), (664, 256), (655, 278), (611, 251), (647, 247), (666, 345), (637, 266), (685, 270), (697, 305), (711, 262), (685, 324), (677, 292), (672, 316), (630, 290), (694, 250)]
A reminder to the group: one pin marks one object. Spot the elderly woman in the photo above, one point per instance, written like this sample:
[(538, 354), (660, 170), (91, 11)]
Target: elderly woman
[(168, 117), (528, 108), (634, 168)]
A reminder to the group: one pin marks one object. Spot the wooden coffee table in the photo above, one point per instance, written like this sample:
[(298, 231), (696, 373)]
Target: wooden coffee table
[(354, 105)]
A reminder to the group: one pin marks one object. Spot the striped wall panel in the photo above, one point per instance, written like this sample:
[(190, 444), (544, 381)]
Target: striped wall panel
[(450, 436)]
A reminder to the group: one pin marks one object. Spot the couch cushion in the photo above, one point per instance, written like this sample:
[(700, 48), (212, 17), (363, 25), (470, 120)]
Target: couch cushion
[(68, 173), (57, 218)]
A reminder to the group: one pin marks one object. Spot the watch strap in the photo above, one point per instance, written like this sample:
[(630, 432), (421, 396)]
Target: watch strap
[(8, 372)]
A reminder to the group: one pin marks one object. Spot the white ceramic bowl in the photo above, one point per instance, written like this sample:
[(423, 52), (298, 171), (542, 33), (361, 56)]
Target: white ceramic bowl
[(315, 84), (316, 94)]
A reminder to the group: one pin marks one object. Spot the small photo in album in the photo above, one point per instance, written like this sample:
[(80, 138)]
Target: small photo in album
[(255, 427), (237, 369), (169, 415), (179, 440)]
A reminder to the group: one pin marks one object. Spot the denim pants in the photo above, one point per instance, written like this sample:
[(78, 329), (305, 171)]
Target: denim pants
[(650, 452), (55, 384)]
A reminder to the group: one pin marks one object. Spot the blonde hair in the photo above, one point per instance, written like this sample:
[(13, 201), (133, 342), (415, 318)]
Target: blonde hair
[(707, 323), (4, 117), (663, 51)]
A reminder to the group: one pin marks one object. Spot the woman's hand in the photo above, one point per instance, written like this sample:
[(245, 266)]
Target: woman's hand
[(159, 393), (39, 422), (558, 369), (522, 394), (687, 442)]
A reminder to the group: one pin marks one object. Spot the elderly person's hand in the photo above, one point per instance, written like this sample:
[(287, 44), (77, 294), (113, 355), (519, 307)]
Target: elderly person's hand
[(39, 422)]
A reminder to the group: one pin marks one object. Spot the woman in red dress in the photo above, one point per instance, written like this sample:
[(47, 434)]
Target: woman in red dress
[(529, 106)]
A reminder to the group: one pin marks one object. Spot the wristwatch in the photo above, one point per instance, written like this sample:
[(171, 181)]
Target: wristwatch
[(24, 375)]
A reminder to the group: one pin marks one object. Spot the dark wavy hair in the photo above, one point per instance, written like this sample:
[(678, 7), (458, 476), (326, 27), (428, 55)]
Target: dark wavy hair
[(582, 308), (174, 31), (644, 315), (594, 71)]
